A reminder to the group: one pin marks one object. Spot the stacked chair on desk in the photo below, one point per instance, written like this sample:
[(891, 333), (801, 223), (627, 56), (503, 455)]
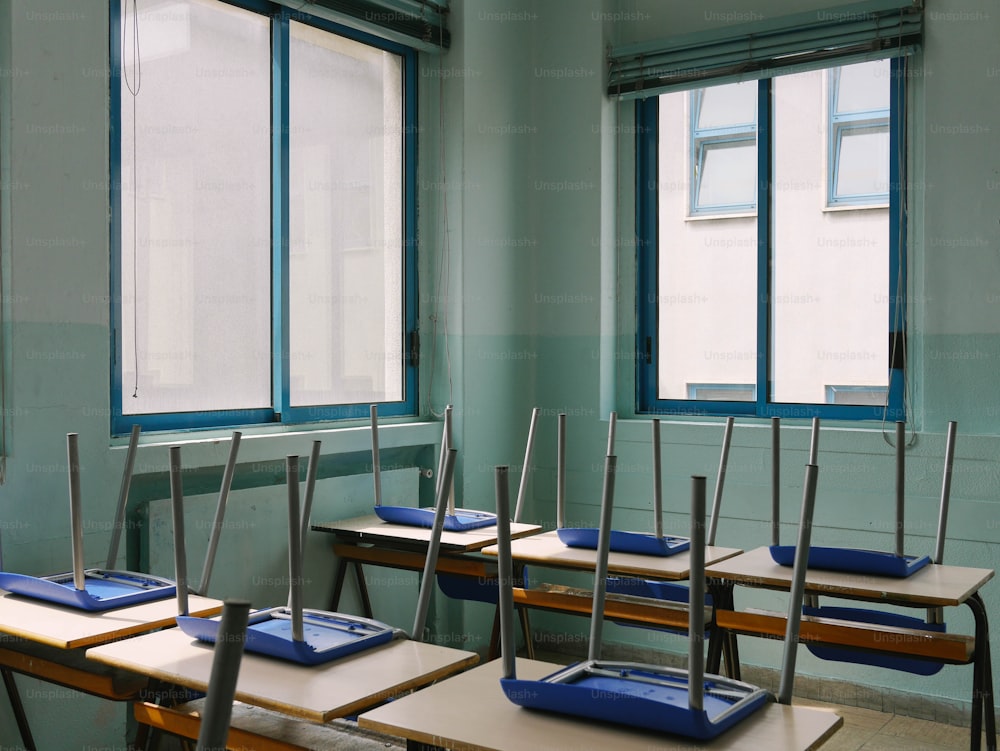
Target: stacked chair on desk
[(873, 562), (652, 697), (312, 637)]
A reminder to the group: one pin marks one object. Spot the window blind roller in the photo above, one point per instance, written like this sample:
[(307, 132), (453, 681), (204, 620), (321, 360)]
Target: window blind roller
[(421, 24), (846, 34)]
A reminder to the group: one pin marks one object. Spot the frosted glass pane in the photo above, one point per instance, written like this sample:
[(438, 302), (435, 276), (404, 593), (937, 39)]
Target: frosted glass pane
[(863, 87), (863, 168), (730, 104), (195, 210), (829, 301), (729, 172), (346, 221)]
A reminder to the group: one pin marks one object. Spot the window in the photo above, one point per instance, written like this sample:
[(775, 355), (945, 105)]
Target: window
[(783, 301), (724, 149), (859, 134), (263, 199)]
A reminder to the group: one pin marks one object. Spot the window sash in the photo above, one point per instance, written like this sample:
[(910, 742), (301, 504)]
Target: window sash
[(281, 409), (647, 341)]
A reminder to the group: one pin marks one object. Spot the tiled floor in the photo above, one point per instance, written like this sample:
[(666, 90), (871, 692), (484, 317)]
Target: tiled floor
[(877, 731)]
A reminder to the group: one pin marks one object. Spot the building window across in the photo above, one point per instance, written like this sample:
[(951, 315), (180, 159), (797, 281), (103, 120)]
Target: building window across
[(791, 279)]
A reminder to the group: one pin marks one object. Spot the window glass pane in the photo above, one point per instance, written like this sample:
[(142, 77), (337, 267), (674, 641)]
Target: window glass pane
[(346, 221), (727, 105), (728, 174), (830, 269), (863, 162), (863, 87), (195, 210), (707, 277)]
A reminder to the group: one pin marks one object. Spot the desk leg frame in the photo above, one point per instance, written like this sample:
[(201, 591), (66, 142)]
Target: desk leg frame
[(982, 680), (18, 709)]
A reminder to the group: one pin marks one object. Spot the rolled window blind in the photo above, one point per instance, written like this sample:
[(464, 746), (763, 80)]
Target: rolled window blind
[(870, 30), (421, 24)]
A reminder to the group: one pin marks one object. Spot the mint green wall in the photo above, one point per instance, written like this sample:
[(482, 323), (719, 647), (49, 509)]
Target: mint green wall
[(533, 280)]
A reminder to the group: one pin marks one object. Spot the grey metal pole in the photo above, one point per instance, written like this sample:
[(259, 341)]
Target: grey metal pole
[(814, 442), (226, 660), (522, 488), (220, 513), (376, 466), (794, 622), (900, 485), (433, 548), (445, 445), (696, 598), (603, 548), (720, 481), (451, 486), (311, 471), (177, 507), (116, 530), (294, 548), (775, 480), (75, 517), (657, 483), (561, 472), (506, 573), (612, 424), (949, 463)]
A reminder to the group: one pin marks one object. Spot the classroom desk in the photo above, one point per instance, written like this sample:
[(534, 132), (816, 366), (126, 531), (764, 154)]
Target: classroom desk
[(46, 641), (318, 693), (368, 539), (548, 551), (470, 712), (931, 587)]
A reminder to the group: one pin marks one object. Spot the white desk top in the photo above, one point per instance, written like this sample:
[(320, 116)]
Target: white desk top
[(471, 712), (318, 693), (371, 529), (548, 550), (69, 628), (931, 586)]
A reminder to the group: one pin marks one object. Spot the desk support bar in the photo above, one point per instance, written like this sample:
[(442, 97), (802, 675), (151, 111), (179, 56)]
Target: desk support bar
[(505, 573), (900, 485), (720, 481), (294, 547), (522, 488), (561, 472), (775, 480), (657, 483)]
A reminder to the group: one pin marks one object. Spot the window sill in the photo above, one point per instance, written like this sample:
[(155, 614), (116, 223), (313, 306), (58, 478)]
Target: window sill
[(855, 207), (711, 217)]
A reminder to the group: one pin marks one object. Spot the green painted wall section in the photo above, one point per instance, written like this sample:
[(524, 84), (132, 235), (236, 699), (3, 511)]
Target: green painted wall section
[(526, 279)]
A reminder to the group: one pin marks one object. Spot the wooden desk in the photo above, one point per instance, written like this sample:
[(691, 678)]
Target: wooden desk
[(68, 628), (548, 550), (369, 540), (470, 712), (46, 641), (931, 586), (319, 693)]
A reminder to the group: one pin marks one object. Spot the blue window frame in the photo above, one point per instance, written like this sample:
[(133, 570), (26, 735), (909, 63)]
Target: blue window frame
[(788, 300), (859, 134), (263, 217), (723, 149)]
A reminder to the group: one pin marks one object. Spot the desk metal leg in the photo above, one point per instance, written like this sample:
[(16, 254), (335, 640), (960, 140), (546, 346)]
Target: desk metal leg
[(982, 680), (18, 708), (722, 644), (366, 603), (338, 587)]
